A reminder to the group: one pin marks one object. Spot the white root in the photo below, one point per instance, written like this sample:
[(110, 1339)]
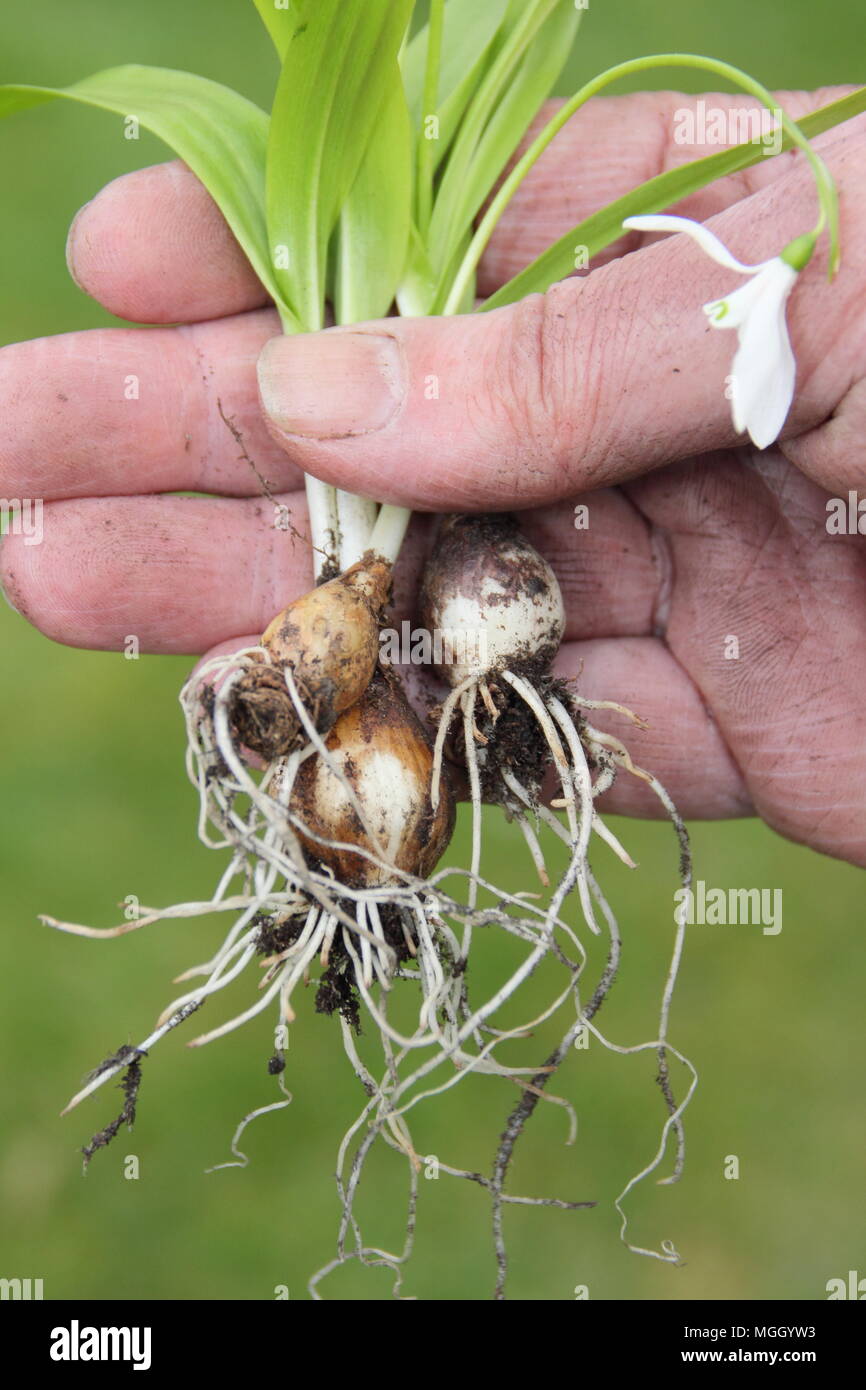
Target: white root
[(447, 714), (575, 782), (533, 846), (571, 745), (475, 798), (241, 1160)]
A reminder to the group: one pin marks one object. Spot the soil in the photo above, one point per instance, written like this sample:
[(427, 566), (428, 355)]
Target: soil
[(262, 715), (515, 740), (337, 991), (129, 1085)]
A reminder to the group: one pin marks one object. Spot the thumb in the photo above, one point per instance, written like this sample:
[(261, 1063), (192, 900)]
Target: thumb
[(597, 380)]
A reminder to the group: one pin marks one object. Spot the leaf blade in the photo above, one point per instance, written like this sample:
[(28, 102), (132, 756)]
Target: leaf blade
[(468, 29), (280, 23), (373, 232), (605, 226), (521, 76), (217, 132), (331, 89)]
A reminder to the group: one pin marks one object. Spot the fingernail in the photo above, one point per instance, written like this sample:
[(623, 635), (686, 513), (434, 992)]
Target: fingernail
[(332, 385), (70, 246)]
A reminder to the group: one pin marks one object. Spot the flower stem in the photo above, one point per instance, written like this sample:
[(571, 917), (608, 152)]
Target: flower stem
[(829, 210)]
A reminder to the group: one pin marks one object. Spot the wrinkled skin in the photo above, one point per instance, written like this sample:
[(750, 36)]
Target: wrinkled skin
[(608, 391)]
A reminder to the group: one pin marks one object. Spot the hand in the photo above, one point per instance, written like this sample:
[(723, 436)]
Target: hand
[(606, 392)]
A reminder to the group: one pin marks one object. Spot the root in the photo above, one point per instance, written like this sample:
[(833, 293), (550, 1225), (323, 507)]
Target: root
[(469, 736), (525, 1107), (241, 1160), (130, 1057), (445, 717), (623, 758), (110, 1068), (577, 751)]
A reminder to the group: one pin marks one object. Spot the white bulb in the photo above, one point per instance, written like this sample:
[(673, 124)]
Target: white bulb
[(491, 607)]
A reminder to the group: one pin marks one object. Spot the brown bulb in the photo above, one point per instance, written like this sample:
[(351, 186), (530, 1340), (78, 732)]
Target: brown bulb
[(329, 640), (383, 752)]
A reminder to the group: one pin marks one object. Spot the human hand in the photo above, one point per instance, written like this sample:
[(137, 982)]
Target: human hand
[(582, 397)]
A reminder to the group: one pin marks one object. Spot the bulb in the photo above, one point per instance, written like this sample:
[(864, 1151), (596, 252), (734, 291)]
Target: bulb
[(492, 599), (329, 640), (382, 750)]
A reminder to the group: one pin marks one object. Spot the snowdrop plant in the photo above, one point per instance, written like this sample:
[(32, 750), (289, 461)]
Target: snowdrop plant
[(372, 186)]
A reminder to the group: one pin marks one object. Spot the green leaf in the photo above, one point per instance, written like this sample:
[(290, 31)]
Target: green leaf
[(217, 132), (418, 284), (280, 22), (470, 28), (605, 226), (467, 300), (336, 76), (373, 232), (520, 77)]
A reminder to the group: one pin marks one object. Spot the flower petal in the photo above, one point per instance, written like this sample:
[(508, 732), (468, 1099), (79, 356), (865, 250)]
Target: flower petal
[(764, 370), (739, 304), (707, 240)]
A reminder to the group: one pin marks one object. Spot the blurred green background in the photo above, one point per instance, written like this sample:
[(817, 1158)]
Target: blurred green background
[(94, 805)]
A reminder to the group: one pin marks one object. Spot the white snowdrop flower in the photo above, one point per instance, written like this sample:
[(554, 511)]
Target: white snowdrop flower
[(764, 370)]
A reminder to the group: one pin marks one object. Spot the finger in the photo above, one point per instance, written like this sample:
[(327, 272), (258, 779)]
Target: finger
[(768, 619), (178, 574), (118, 410), (182, 574), (681, 744), (614, 144), (595, 382), (153, 247)]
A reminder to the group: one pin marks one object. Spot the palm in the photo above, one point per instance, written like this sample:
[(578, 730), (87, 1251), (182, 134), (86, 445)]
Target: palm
[(707, 597)]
